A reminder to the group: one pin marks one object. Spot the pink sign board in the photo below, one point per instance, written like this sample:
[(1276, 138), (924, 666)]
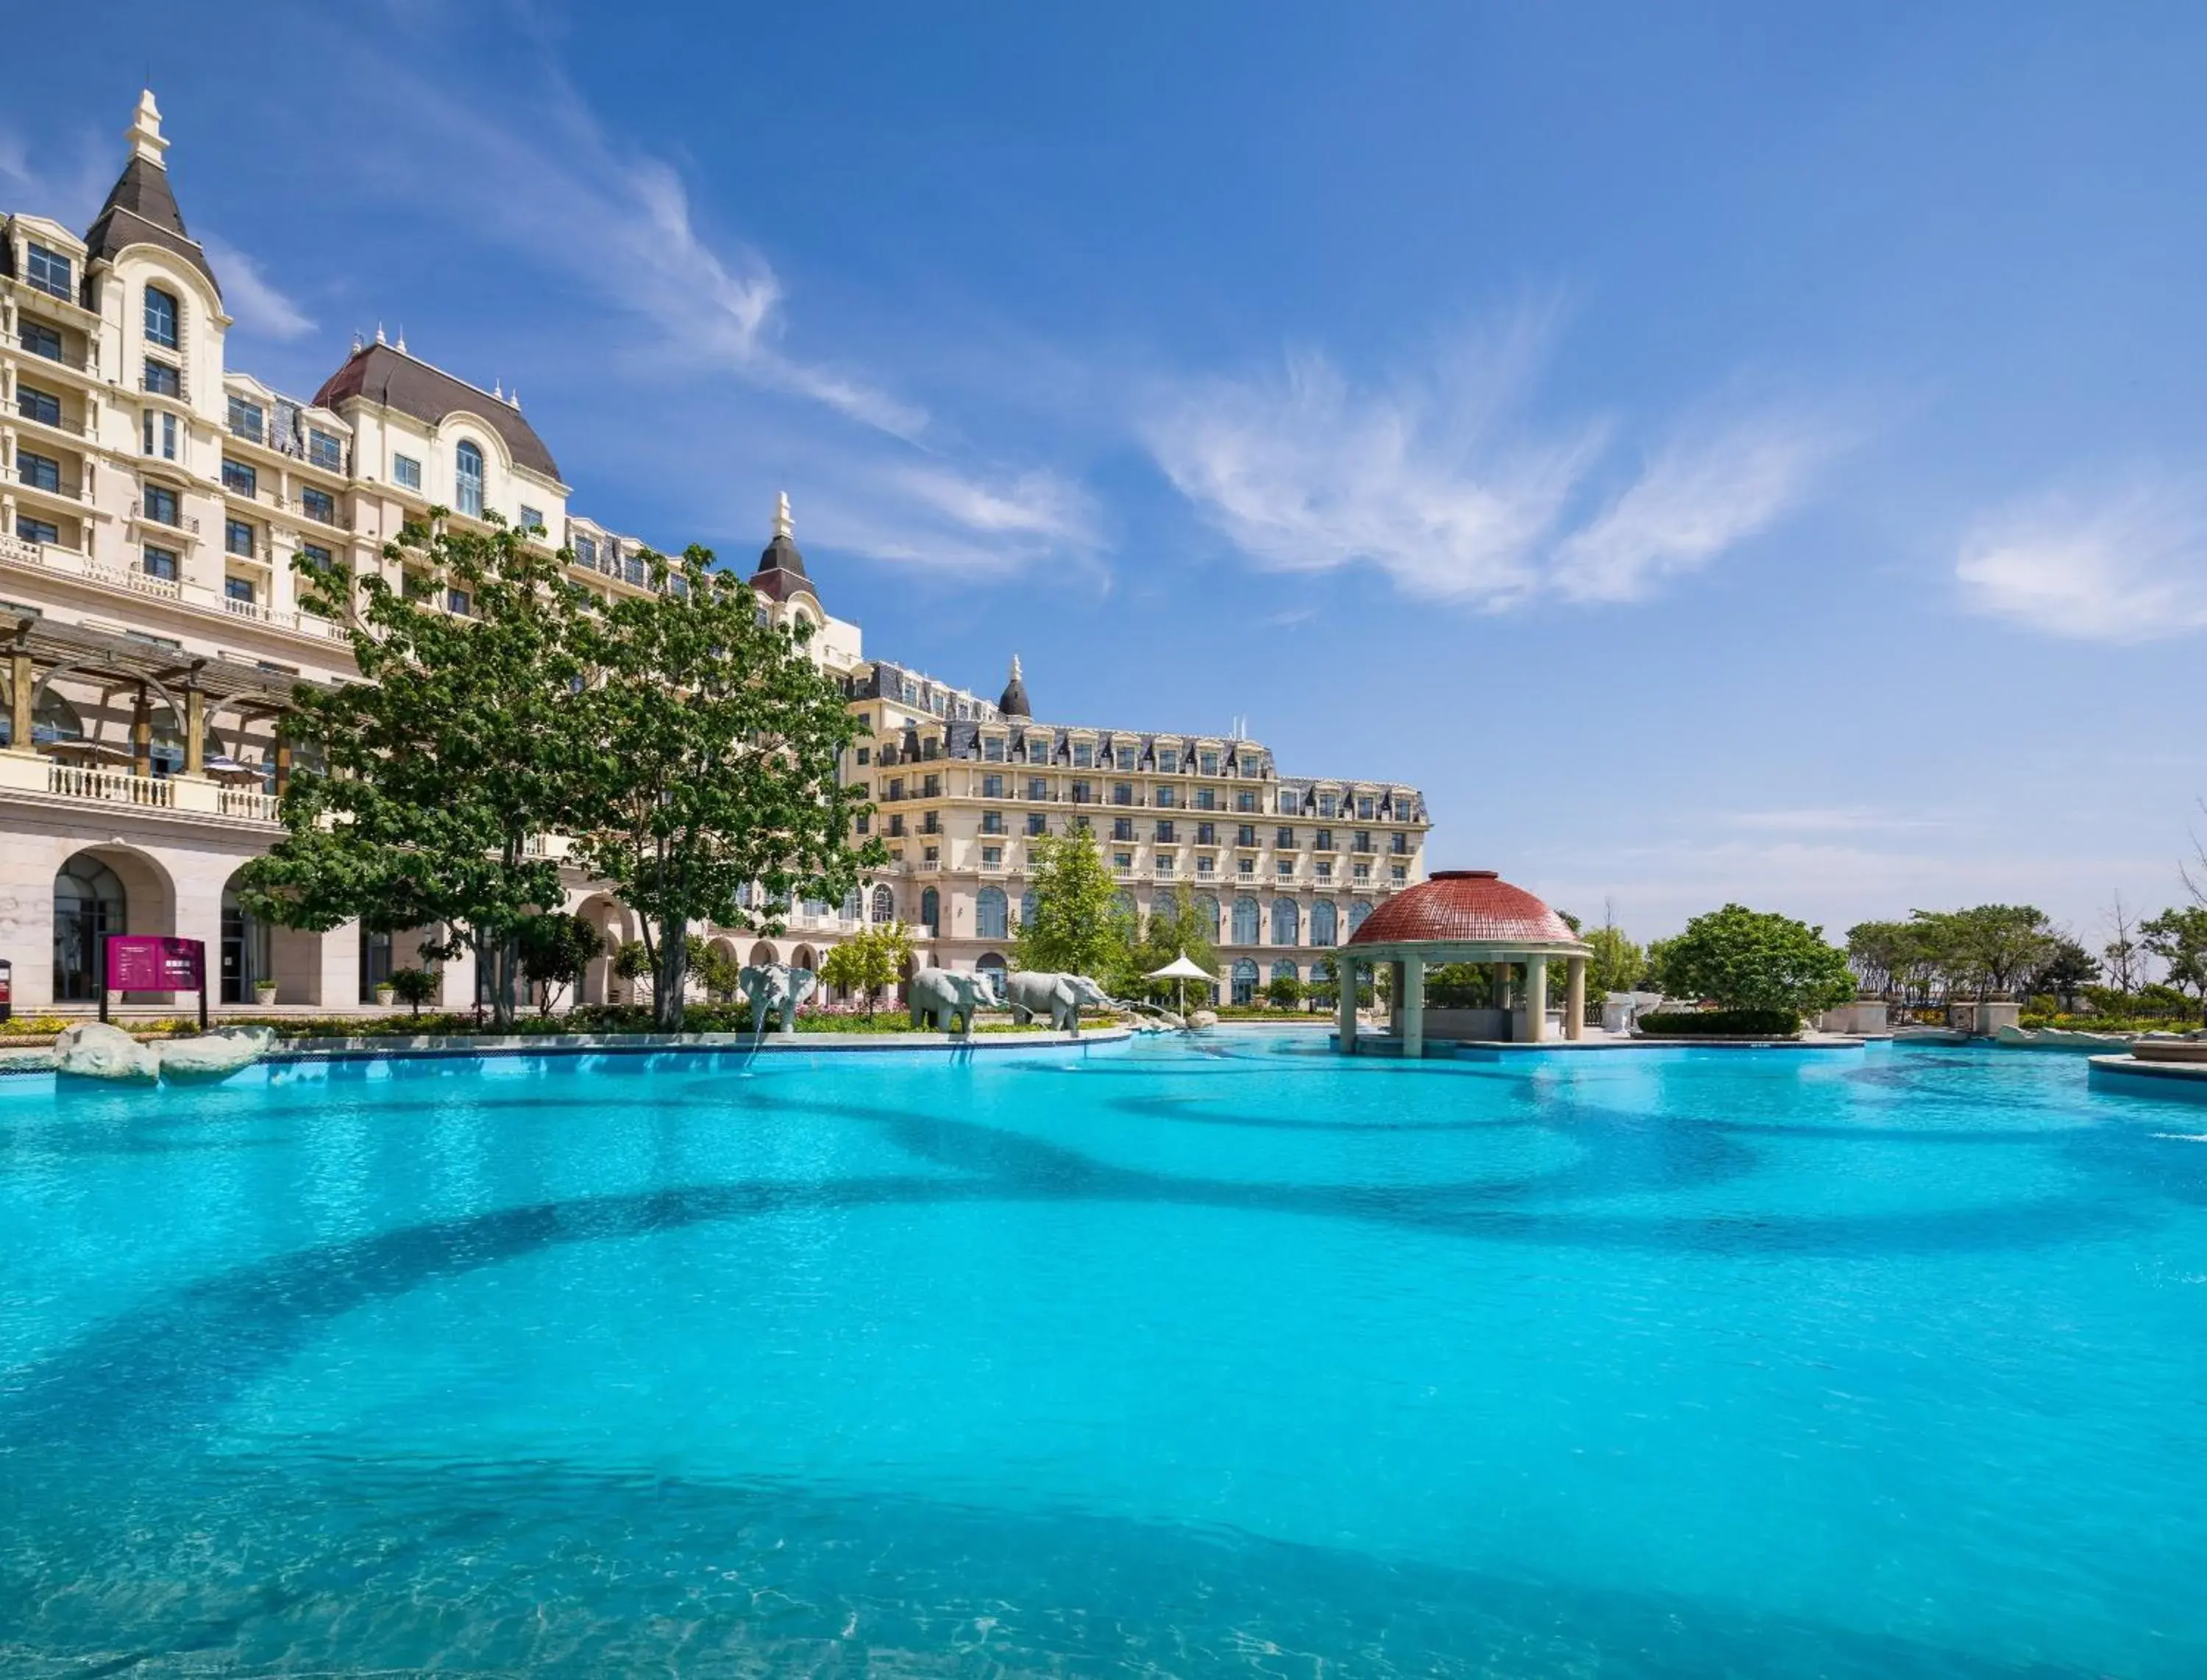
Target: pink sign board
[(154, 963)]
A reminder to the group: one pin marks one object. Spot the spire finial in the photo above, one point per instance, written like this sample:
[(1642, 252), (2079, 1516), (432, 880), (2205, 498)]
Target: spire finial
[(498, 389), (1015, 668), (144, 132), (781, 525), (355, 343), (379, 338), (402, 338)]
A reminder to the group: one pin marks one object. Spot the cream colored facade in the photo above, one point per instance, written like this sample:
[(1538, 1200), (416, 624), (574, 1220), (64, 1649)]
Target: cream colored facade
[(155, 506), (1284, 867)]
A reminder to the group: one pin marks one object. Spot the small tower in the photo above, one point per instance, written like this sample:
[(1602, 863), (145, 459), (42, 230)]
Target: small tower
[(781, 572), (1014, 702)]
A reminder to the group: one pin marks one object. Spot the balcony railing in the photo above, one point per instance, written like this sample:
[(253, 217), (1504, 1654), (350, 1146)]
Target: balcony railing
[(69, 489), (79, 361), (51, 557), (113, 787), (249, 804), (60, 422), (189, 521)]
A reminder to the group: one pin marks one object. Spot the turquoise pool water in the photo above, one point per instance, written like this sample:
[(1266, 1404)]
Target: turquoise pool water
[(1144, 1360)]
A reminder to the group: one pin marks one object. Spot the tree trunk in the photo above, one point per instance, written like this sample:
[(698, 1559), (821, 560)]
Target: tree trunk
[(672, 980), (502, 955)]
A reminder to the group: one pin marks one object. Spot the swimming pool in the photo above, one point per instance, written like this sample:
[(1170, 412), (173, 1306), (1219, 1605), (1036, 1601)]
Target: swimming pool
[(1148, 1359)]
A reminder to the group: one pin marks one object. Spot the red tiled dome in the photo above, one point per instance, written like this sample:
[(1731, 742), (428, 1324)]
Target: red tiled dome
[(1463, 904)]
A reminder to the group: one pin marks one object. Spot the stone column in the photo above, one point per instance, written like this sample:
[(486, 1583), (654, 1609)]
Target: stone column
[(21, 683), (194, 731), (1344, 976), (1574, 1000), (1414, 1008), (1501, 985), (142, 734), (1536, 999)]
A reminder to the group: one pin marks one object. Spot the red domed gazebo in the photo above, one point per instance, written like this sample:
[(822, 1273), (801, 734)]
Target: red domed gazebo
[(1464, 916)]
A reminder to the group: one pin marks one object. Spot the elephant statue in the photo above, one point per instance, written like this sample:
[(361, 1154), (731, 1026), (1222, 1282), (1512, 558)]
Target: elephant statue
[(939, 996), (774, 990), (1060, 996)]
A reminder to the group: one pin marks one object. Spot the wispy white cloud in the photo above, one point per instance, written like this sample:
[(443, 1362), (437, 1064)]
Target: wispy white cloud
[(252, 299), (65, 183), (2125, 565), (1425, 478), (1441, 481), (1696, 498), (973, 525)]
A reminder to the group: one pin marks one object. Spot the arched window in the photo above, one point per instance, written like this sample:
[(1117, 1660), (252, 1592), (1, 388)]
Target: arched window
[(852, 908), (1322, 971), (1122, 903), (468, 479), (1357, 912), (1206, 914), (991, 914), (1286, 922), (89, 904), (1245, 924), (160, 318), (930, 911), (1324, 922), (1283, 970), (884, 904), (1026, 909), (1244, 982)]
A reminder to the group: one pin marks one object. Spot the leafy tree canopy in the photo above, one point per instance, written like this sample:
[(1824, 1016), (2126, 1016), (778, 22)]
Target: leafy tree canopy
[(1755, 959), (869, 962), (1078, 925), (435, 771), (707, 785)]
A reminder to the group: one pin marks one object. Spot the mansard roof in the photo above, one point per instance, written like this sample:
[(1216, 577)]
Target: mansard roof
[(382, 373)]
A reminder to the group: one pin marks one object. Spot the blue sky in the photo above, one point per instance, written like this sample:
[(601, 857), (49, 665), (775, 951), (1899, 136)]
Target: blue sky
[(1718, 451)]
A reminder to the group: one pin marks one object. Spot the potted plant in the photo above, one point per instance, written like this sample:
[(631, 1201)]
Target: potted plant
[(383, 994), (264, 992)]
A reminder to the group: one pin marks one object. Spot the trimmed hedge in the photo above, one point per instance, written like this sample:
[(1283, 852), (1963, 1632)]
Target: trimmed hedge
[(1720, 1024)]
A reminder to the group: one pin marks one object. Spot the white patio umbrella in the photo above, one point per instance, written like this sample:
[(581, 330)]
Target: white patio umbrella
[(1181, 969)]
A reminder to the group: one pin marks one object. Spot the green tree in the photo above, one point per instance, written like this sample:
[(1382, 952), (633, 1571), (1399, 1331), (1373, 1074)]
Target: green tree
[(718, 973), (1173, 926), (1078, 925), (2179, 938), (433, 774), (1283, 991), (1882, 952), (1614, 963), (557, 950), (869, 962), (1756, 960), (2066, 970), (709, 754), (1987, 948)]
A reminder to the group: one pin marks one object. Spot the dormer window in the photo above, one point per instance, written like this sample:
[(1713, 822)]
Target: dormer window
[(160, 318), (406, 472), (468, 477), (248, 420), (50, 271)]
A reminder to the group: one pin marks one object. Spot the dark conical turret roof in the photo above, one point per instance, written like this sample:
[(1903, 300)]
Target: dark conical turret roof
[(141, 209), (781, 572), (1014, 702)]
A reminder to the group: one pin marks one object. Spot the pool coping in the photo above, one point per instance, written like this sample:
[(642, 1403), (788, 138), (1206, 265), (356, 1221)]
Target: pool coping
[(2188, 1078), (429, 1046)]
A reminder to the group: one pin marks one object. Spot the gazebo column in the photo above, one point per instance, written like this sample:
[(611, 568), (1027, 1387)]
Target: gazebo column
[(1501, 985), (1344, 976), (1536, 999), (1412, 970), (1574, 1000), (1394, 996)]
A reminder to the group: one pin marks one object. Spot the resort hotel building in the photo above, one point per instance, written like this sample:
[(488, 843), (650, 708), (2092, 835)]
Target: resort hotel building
[(157, 507)]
